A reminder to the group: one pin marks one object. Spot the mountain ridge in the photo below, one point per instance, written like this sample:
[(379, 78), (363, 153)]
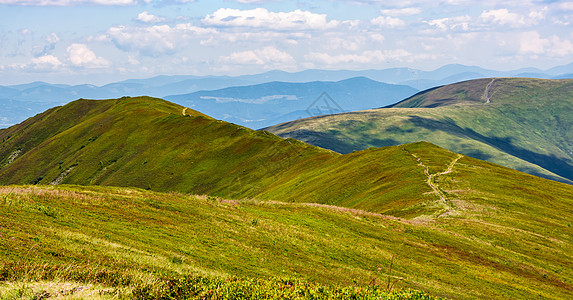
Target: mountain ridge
[(103, 142), (525, 125), (143, 158)]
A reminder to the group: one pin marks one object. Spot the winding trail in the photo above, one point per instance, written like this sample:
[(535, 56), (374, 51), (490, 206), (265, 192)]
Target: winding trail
[(431, 179), (486, 92)]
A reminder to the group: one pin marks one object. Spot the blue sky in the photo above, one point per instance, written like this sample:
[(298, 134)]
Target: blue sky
[(101, 41)]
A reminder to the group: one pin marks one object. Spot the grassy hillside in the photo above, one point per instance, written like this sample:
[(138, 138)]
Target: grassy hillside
[(143, 142), (452, 225), (520, 123), (133, 239), (153, 144), (130, 239)]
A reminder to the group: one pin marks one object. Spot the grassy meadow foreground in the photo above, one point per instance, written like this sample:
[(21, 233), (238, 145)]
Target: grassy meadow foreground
[(134, 242), (314, 223), (138, 243)]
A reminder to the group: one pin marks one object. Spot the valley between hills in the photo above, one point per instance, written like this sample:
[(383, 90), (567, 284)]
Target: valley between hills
[(138, 197)]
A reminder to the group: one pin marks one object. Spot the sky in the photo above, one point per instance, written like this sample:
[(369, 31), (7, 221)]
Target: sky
[(102, 41)]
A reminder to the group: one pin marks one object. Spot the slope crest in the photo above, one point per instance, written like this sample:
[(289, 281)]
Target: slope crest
[(485, 91)]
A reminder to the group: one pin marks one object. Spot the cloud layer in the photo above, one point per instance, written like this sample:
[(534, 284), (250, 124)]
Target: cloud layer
[(246, 36), (262, 18)]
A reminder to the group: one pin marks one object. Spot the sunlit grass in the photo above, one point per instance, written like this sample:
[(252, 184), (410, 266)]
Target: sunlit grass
[(313, 220), (130, 239)]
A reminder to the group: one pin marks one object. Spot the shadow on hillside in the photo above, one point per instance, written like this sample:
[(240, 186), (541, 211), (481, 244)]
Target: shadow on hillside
[(334, 140), (475, 153), (368, 142), (321, 139), (548, 162), (397, 130)]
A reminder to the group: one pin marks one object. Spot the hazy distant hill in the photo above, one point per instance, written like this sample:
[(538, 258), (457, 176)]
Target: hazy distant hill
[(162, 86), (271, 103), (525, 124)]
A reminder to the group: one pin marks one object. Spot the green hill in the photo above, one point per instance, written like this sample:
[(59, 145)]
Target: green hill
[(142, 142), (524, 124), (410, 216), (153, 144)]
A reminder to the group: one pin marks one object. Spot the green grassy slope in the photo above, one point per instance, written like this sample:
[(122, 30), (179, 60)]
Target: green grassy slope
[(143, 142), (149, 143), (501, 234), (459, 227), (526, 125), (133, 238)]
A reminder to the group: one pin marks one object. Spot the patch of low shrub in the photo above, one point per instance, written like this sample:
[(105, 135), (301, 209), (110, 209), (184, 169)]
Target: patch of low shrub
[(196, 287)]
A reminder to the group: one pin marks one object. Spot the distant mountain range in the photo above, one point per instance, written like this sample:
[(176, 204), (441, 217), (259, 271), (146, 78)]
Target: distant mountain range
[(267, 104), (18, 102)]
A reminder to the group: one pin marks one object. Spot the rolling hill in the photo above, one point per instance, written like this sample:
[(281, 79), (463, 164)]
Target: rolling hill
[(520, 123), (154, 144), (414, 215)]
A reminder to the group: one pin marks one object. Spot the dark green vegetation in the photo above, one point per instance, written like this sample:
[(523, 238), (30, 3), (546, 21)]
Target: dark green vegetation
[(453, 226), (525, 124)]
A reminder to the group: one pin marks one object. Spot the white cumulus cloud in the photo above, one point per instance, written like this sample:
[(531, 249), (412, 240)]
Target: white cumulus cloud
[(146, 17), (51, 40), (47, 60), (533, 44), (566, 5), (503, 17), (400, 12), (386, 21), (25, 31), (81, 56), (262, 18), (453, 23), (46, 63), (158, 39)]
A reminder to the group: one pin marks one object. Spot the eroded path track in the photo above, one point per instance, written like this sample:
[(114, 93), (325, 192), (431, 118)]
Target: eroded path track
[(431, 179), (486, 92)]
